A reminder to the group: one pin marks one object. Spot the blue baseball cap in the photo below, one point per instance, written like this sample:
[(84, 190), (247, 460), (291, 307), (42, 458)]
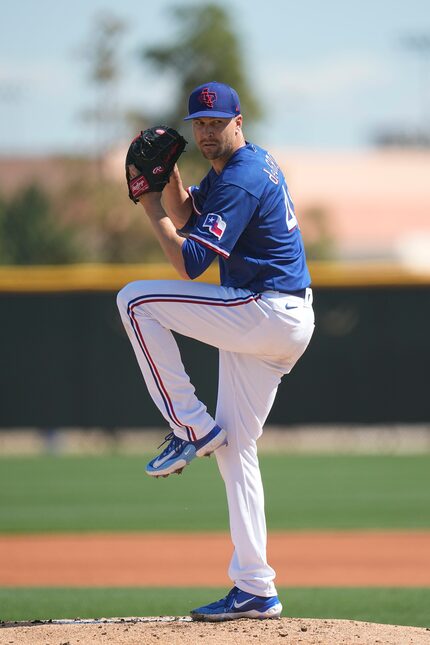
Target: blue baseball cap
[(213, 100)]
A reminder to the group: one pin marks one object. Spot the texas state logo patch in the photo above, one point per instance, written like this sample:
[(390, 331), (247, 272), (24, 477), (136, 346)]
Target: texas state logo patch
[(215, 224)]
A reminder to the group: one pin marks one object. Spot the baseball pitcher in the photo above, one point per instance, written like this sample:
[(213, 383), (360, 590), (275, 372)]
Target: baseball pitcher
[(260, 317)]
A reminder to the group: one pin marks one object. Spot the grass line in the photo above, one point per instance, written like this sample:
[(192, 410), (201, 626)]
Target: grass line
[(378, 605)]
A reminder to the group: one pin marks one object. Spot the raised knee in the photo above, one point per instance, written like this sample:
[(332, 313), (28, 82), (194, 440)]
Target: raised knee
[(124, 296)]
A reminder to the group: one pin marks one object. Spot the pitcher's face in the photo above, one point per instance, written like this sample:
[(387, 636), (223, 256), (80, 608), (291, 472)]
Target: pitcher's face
[(218, 139)]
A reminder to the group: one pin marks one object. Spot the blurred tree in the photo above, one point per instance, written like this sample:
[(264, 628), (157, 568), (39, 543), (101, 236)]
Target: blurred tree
[(85, 221), (110, 227), (103, 56), (401, 137), (31, 234), (205, 49)]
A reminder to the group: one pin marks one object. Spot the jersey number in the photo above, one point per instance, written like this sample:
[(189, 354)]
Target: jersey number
[(289, 209)]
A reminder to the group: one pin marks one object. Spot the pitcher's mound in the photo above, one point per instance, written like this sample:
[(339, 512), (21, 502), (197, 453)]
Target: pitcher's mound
[(173, 630)]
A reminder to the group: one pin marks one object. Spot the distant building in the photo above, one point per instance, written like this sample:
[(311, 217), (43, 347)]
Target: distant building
[(376, 203)]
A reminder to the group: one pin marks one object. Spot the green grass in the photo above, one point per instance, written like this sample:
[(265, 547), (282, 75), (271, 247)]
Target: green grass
[(378, 605), (112, 493)]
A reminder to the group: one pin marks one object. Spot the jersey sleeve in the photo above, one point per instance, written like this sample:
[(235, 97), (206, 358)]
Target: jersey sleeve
[(224, 216), (198, 196), (197, 258)]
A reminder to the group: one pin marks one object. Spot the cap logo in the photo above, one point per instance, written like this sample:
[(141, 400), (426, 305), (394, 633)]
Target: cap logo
[(207, 98)]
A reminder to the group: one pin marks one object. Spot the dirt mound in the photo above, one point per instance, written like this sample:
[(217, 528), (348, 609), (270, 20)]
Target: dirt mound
[(169, 630)]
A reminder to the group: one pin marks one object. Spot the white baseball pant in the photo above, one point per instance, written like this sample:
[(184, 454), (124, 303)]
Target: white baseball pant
[(260, 337)]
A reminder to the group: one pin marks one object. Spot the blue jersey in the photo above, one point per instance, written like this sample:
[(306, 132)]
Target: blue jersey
[(245, 215)]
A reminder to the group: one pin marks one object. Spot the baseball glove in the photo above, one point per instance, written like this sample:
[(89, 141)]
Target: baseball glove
[(153, 153)]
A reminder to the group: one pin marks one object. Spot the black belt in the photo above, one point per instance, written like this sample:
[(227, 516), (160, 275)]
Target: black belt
[(301, 293)]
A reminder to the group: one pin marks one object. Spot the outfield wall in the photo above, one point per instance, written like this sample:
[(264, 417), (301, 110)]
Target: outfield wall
[(65, 360)]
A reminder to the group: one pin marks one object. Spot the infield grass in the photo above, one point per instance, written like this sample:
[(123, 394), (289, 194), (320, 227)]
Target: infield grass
[(112, 493), (378, 605)]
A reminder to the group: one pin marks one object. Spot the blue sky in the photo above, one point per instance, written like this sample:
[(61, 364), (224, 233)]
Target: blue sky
[(327, 73)]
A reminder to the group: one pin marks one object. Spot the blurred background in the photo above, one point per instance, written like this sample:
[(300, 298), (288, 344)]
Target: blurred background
[(339, 92), (340, 95)]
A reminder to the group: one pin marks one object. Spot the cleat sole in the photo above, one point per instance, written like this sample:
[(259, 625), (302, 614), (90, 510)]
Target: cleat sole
[(175, 471), (274, 613)]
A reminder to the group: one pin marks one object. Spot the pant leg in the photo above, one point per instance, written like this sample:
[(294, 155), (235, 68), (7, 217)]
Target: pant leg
[(259, 341), (168, 384), (219, 316), (247, 390)]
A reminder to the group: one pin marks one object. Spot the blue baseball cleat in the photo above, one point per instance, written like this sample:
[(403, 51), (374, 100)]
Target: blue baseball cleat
[(216, 438), (179, 452), (173, 459), (239, 604)]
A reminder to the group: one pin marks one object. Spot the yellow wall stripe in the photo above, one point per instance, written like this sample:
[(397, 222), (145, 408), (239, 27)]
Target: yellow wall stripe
[(106, 277)]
